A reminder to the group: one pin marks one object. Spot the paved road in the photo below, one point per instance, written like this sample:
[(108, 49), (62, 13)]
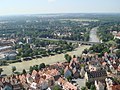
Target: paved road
[(93, 35)]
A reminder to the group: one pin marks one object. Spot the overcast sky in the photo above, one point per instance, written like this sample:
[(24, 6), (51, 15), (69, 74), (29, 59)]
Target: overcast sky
[(12, 7)]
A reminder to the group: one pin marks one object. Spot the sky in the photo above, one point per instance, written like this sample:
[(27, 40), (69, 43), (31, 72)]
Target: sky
[(16, 7)]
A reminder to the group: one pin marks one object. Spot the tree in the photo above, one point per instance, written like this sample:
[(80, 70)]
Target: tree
[(92, 87), (35, 67), (24, 71), (83, 88), (69, 78), (85, 51), (74, 56), (118, 53), (1, 70), (56, 87), (30, 69), (62, 71), (13, 69), (42, 65), (117, 41), (68, 57), (88, 84)]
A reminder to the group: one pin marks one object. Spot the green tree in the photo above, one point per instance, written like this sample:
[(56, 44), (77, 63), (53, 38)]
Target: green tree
[(57, 87), (68, 57), (24, 71), (85, 51), (42, 65), (74, 56), (30, 69), (1, 70), (117, 41), (83, 88), (13, 69), (92, 87), (88, 84), (118, 53), (69, 78), (35, 67)]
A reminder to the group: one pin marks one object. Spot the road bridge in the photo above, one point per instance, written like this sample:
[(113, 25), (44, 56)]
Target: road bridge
[(73, 41)]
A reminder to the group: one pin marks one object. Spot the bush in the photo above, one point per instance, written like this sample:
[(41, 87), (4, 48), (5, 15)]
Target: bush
[(57, 87)]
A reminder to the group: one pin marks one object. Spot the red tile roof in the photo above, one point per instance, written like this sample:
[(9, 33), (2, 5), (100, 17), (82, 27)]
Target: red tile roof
[(116, 87), (69, 86), (34, 72)]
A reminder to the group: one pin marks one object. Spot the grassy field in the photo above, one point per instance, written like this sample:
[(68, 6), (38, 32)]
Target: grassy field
[(47, 60)]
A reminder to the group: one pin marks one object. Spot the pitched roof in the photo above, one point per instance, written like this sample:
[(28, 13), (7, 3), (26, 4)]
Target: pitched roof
[(61, 81), (68, 85), (95, 74), (116, 87), (28, 75), (52, 72), (22, 78), (34, 72), (67, 68)]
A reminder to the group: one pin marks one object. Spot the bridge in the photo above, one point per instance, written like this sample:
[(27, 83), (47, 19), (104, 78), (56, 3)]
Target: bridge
[(72, 41)]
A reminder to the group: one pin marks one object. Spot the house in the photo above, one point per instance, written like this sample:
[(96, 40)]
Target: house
[(17, 86), (111, 85), (117, 36), (69, 86), (82, 72), (67, 72), (53, 72), (7, 86), (92, 68), (10, 56), (76, 73), (74, 63), (115, 87), (66, 85), (118, 70), (43, 84), (1, 85), (99, 85), (96, 75), (34, 73), (33, 85)]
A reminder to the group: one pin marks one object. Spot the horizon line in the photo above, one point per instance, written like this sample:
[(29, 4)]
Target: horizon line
[(22, 14)]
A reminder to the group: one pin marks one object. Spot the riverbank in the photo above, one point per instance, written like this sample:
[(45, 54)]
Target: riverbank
[(47, 60)]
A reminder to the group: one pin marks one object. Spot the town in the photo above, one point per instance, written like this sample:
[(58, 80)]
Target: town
[(38, 53)]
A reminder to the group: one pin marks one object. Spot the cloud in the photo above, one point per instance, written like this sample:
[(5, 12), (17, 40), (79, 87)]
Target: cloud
[(51, 1)]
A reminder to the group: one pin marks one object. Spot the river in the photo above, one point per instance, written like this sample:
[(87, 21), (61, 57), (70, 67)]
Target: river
[(93, 35), (47, 60), (51, 59)]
